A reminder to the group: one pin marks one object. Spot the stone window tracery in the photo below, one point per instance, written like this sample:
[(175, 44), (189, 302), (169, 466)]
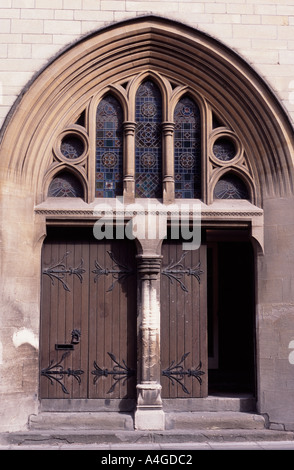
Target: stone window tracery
[(64, 184), (150, 138), (230, 187)]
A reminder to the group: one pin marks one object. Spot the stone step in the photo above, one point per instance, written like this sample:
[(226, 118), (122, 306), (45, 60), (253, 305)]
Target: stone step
[(217, 402), (124, 421), (81, 421), (245, 403), (214, 420)]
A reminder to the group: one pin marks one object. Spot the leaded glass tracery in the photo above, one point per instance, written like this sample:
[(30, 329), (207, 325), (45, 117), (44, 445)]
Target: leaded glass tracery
[(187, 145), (65, 185), (71, 147), (148, 141), (230, 186), (224, 149), (109, 148)]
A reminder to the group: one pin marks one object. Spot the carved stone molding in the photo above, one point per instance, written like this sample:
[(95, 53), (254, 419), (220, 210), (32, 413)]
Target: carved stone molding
[(148, 268)]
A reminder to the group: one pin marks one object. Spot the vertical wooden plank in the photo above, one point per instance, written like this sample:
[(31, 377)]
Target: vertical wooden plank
[(108, 320), (179, 309), (62, 297), (165, 322), (168, 319), (84, 322), (203, 320), (54, 356), (93, 320), (123, 315), (77, 296), (191, 320), (129, 335), (97, 328), (195, 314), (117, 314)]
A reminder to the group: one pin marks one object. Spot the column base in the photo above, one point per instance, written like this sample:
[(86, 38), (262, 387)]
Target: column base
[(168, 191), (147, 419), (129, 191), (149, 415)]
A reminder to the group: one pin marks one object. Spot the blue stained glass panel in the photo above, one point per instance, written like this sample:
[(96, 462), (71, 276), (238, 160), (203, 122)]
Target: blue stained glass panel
[(148, 141), (187, 148), (109, 148)]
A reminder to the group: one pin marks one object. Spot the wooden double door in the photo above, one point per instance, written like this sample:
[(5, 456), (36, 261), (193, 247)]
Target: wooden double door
[(89, 330)]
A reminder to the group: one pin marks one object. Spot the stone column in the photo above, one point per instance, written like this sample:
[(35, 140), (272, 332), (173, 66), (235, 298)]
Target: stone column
[(168, 163), (149, 414), (129, 161)]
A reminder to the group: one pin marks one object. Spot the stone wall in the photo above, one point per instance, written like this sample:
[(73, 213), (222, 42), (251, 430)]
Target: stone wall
[(275, 313), (21, 240)]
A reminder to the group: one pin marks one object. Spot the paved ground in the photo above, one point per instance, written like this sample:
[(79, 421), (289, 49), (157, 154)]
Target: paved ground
[(261, 445)]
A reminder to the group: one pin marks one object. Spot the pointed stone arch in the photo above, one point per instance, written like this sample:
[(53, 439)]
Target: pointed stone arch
[(118, 52)]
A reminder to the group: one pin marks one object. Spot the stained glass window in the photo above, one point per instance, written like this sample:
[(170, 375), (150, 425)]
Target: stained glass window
[(187, 149), (230, 187), (71, 147), (224, 149), (109, 148), (65, 185), (148, 141)]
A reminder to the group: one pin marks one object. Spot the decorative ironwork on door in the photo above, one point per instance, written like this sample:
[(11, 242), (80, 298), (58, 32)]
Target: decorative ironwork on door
[(90, 292), (118, 271), (175, 271), (183, 321), (59, 271), (176, 373), (57, 372), (119, 372)]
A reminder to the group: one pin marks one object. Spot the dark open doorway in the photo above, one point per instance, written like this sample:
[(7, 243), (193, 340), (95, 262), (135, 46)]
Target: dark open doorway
[(231, 330)]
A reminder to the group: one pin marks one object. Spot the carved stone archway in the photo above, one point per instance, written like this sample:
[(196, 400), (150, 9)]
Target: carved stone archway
[(123, 50), (66, 88)]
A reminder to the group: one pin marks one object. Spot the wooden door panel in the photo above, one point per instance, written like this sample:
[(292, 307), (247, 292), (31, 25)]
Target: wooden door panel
[(87, 286), (183, 322), (113, 308)]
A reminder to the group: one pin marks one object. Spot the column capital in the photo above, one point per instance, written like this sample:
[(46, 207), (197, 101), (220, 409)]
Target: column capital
[(168, 127), (129, 126)]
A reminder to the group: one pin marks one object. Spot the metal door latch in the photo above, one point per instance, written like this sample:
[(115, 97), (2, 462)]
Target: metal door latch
[(75, 339)]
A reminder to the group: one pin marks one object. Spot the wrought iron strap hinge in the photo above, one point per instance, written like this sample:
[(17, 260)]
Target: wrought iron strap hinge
[(59, 271), (119, 372), (176, 373), (57, 372), (176, 271), (119, 271)]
